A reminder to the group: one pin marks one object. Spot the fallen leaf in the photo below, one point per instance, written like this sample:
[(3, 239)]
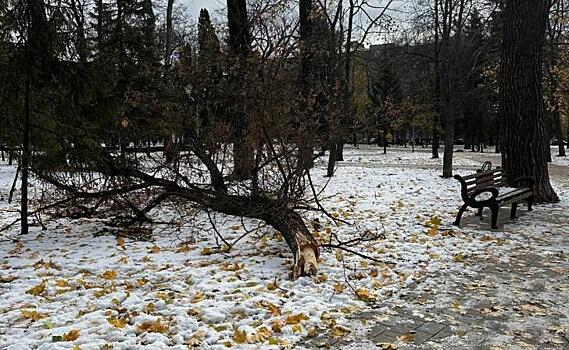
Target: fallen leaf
[(72, 335), (153, 327), (339, 331), (37, 290), (338, 288), (184, 248), (109, 275), (239, 337), (62, 283), (296, 319), (363, 293), (458, 257), (32, 315), (406, 338)]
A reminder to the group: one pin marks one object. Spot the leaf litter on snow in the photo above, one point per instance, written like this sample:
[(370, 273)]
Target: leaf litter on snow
[(69, 286)]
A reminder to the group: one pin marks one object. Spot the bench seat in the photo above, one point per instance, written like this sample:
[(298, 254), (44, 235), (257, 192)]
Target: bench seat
[(489, 189)]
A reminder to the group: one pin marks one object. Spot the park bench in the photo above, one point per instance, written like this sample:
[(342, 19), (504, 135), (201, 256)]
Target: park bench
[(488, 189)]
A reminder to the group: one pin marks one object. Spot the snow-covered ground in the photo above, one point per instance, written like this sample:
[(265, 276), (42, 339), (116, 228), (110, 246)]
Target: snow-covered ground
[(70, 287)]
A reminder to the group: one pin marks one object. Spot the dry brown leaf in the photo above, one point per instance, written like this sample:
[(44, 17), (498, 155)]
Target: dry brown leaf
[(239, 337), (32, 315), (296, 319), (37, 290), (406, 338), (119, 322), (153, 327), (339, 331), (72, 335), (154, 249)]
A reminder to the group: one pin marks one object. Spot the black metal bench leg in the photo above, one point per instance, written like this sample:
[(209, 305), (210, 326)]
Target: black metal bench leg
[(514, 209), (494, 208), (479, 212), (530, 203), (459, 215)]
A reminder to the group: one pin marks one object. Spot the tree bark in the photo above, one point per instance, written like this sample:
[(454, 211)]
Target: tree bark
[(24, 162), (524, 136), (240, 46)]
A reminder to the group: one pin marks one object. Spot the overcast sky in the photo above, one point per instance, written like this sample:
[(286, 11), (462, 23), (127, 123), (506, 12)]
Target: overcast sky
[(218, 13), (194, 7)]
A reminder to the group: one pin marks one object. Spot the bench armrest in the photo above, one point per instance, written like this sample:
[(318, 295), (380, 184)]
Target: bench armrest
[(530, 180), (493, 190)]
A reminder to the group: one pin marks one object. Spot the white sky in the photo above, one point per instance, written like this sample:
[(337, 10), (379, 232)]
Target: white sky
[(194, 7)]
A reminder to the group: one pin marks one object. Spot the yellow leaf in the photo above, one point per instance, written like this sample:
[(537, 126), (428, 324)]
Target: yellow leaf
[(363, 293), (32, 315), (123, 260), (277, 325), (273, 309), (338, 288), (76, 347), (271, 286), (406, 338), (72, 335), (455, 304), (154, 249), (296, 328), (435, 221), (184, 248), (235, 227), (207, 251), (37, 290), (153, 327), (141, 281), (263, 333), (364, 264), (486, 238), (198, 297), (61, 283), (120, 242), (458, 257), (339, 255), (339, 331), (432, 231), (149, 308), (239, 337), (280, 342), (109, 275), (118, 322), (196, 339), (296, 319)]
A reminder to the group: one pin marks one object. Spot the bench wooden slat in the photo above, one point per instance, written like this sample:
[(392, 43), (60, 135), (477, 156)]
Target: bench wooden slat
[(495, 178), (482, 173)]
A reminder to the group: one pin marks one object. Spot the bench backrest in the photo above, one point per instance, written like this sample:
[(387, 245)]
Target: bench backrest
[(489, 178)]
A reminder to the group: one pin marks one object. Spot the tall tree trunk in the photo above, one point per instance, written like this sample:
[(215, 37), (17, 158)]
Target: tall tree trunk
[(437, 120), (337, 144), (168, 48), (240, 46), (308, 78), (24, 162), (559, 134), (170, 148), (521, 95)]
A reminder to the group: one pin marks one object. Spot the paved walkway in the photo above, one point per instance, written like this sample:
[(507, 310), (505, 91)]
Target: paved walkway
[(517, 301)]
